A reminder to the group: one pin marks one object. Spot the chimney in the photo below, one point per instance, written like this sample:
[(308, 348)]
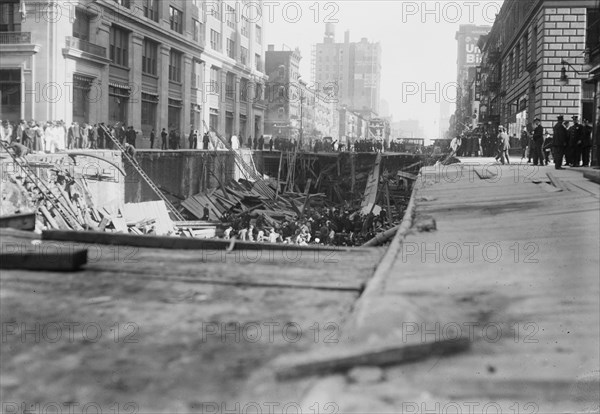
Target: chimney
[(271, 48), (347, 36)]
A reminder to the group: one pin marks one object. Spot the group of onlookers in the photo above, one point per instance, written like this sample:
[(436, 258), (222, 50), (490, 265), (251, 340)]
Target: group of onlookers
[(572, 143), (53, 136)]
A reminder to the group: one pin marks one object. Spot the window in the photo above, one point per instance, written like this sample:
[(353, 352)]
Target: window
[(526, 50), (176, 17), (244, 90), (197, 30), (149, 105), (215, 40), (10, 17), (81, 26), (149, 57), (244, 55), (10, 93), (231, 48), (214, 79), (230, 16), (196, 81), (175, 66), (119, 40), (245, 26), (124, 3), (258, 62), (518, 61), (230, 85), (151, 9), (258, 34)]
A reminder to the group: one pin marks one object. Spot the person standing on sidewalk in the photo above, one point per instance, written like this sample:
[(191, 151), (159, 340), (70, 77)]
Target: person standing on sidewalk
[(525, 144), (538, 140), (503, 145), (152, 138), (575, 139), (559, 142), (586, 143), (163, 137)]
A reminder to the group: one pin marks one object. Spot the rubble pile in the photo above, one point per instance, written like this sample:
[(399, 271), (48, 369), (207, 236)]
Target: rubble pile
[(299, 218)]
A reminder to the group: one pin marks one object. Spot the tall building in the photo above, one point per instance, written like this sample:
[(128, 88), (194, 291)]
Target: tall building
[(147, 63), (351, 71), (536, 63), (468, 58), (295, 110)]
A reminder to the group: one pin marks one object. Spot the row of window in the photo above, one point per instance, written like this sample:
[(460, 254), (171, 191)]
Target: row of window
[(524, 52)]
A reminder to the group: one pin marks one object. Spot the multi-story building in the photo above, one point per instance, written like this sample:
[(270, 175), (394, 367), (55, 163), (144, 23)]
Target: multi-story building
[(352, 70), (523, 60), (296, 110), (469, 57), (146, 63)]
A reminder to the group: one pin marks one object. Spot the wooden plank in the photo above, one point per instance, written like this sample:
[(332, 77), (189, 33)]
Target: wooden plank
[(339, 360), (23, 221), (166, 242), (556, 182), (69, 260)]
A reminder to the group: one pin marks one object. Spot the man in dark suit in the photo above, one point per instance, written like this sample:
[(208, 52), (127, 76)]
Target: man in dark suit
[(559, 142), (575, 140), (538, 140), (586, 142)]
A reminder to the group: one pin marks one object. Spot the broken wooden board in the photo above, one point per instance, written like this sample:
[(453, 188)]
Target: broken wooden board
[(23, 221), (370, 195), (556, 182), (68, 261), (338, 359)]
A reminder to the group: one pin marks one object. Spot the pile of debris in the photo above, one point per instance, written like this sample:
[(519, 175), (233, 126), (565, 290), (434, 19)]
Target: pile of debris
[(300, 218)]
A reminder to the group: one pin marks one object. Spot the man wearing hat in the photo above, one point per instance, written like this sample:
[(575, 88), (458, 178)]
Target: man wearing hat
[(538, 140), (575, 138), (560, 140)]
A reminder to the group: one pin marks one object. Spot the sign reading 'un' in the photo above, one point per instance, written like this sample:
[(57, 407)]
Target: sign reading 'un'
[(473, 55)]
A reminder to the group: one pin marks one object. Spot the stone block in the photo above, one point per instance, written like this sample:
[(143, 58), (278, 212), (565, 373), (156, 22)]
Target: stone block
[(574, 96), (563, 25), (576, 25), (562, 39), (570, 18), (560, 96), (555, 18)]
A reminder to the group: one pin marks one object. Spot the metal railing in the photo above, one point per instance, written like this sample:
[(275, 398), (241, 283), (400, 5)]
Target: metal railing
[(76, 43), (10, 38)]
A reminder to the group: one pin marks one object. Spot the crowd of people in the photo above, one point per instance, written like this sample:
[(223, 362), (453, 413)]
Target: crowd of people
[(54, 136), (327, 226), (571, 143)]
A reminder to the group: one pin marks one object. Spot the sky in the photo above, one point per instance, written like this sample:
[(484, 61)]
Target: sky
[(419, 49)]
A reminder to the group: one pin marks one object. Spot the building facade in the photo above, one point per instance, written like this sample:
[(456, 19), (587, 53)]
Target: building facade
[(468, 59), (351, 71), (296, 110), (146, 63), (522, 75)]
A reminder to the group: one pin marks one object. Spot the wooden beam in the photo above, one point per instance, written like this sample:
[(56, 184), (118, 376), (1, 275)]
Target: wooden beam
[(166, 242), (23, 221), (69, 260), (339, 359)]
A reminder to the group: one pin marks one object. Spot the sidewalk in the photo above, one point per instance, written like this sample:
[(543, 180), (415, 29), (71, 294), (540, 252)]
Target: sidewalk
[(514, 267)]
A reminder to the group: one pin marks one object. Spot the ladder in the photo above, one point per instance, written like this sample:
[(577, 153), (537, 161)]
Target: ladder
[(261, 186), (63, 209), (142, 174)]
